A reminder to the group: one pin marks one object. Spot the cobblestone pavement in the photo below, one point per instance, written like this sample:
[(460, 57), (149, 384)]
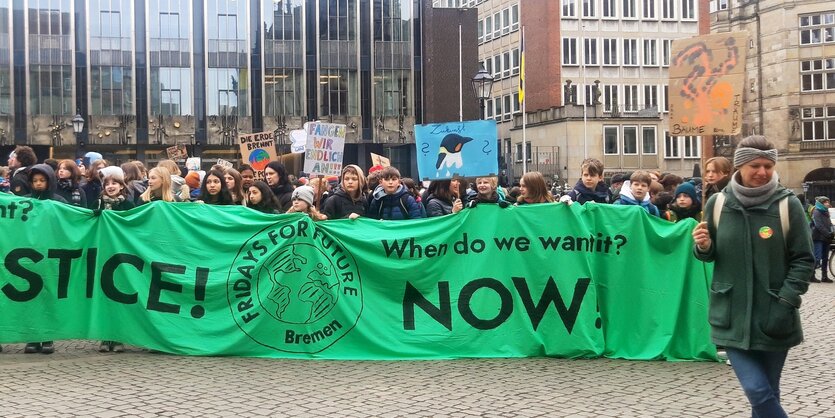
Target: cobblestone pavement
[(79, 381)]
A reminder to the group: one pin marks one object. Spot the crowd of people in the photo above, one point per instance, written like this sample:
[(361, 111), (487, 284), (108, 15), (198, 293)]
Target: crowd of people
[(747, 190)]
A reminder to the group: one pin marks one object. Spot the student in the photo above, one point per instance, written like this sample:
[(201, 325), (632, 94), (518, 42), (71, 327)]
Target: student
[(532, 189), (42, 183), (92, 187), (686, 205), (262, 199), (279, 182), (349, 199), (444, 198), (487, 191), (302, 199), (822, 235), (637, 192), (115, 194), (590, 187), (213, 191), (247, 176), (717, 175), (391, 200), (21, 161), (69, 184), (134, 180), (159, 187), (178, 183), (234, 182)]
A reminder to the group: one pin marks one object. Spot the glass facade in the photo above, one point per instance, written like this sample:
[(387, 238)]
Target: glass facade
[(50, 57), (156, 72), (169, 48)]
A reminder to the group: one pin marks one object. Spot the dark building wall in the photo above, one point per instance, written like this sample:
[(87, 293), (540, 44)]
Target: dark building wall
[(440, 63), (543, 73)]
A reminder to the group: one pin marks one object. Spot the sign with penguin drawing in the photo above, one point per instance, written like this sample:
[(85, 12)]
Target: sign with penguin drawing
[(457, 149)]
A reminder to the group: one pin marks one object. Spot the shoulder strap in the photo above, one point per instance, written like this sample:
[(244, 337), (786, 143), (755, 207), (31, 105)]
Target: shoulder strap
[(784, 216), (404, 203), (718, 204)]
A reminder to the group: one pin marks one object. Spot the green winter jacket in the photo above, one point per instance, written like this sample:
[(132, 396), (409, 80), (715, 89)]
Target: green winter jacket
[(758, 275)]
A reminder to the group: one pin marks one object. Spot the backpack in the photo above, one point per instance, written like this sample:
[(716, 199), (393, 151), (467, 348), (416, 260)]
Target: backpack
[(784, 213)]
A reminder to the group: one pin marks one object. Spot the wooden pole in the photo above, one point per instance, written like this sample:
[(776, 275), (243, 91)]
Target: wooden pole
[(707, 153)]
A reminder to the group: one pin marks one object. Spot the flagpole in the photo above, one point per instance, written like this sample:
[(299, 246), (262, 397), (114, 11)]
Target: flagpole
[(524, 114), (461, 81)]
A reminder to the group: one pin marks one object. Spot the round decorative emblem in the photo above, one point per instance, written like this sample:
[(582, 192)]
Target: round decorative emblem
[(766, 232), (294, 289)]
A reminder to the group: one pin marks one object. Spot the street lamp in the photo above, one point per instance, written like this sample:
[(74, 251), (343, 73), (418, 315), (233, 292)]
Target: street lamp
[(77, 127), (482, 84)]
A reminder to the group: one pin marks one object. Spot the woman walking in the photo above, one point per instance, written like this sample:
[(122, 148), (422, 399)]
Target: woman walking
[(763, 260)]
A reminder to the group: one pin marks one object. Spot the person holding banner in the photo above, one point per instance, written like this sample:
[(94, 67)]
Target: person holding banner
[(391, 200), (213, 191), (488, 191), (262, 199), (444, 198), (533, 189), (69, 184), (279, 182), (349, 199), (159, 187), (303, 203), (763, 260)]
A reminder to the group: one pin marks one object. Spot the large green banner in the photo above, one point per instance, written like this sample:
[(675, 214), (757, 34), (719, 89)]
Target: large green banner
[(539, 280)]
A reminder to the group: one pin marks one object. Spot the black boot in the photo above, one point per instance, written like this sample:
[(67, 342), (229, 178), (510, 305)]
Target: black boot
[(32, 348), (825, 276), (47, 347)]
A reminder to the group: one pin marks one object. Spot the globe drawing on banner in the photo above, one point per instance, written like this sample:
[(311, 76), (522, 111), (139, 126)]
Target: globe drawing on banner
[(298, 285), (259, 159)]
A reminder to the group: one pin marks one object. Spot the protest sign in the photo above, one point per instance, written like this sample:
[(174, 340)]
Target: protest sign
[(457, 149), (325, 149), (707, 78), (258, 150), (223, 163), (193, 163), (377, 159), (487, 282), (177, 152)]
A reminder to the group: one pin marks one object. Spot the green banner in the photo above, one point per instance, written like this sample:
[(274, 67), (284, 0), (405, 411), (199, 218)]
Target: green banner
[(187, 278)]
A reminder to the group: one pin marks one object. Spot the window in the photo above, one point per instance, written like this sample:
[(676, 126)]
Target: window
[(723, 5), (391, 92), (630, 140), (688, 9), (498, 107), (50, 90), (817, 75), (480, 32), (630, 98), (505, 21), (629, 9), (649, 9), (488, 28), (692, 146), (665, 98), (171, 91), (588, 8), (488, 65), (610, 52), (489, 109), (821, 28), (610, 140), (666, 51), (111, 90), (519, 152), (515, 65), (818, 123), (497, 25), (588, 94), (506, 64), (610, 99), (609, 10), (648, 140), (569, 8), (569, 51), (668, 9), (227, 95), (650, 52), (516, 107), (514, 17), (650, 97), (630, 52), (507, 108), (671, 147), (590, 51)]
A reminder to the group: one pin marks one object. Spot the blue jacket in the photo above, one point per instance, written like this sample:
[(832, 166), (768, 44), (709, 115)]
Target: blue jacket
[(582, 194), (626, 198), (396, 206)]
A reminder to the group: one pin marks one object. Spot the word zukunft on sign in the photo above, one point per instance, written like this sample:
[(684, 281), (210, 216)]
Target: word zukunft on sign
[(488, 282)]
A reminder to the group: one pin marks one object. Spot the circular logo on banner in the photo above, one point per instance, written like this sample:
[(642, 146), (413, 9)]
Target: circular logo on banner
[(259, 159), (766, 232), (294, 289)]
